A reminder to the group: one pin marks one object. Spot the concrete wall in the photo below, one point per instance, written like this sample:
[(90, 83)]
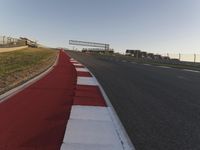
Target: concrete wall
[(12, 49)]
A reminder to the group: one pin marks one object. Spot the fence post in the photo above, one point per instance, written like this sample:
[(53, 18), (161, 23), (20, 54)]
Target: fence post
[(3, 40), (8, 40)]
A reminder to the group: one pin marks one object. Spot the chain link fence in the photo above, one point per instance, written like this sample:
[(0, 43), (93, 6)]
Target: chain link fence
[(6, 42), (164, 57)]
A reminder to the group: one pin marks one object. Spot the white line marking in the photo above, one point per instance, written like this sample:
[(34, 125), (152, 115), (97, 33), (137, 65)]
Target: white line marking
[(122, 134), (191, 70), (147, 64), (88, 133), (164, 67)]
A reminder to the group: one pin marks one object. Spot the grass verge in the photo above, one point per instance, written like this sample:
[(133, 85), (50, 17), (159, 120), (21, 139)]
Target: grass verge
[(19, 66)]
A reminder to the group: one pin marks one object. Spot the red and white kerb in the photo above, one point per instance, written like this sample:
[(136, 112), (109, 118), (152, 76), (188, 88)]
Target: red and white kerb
[(90, 126)]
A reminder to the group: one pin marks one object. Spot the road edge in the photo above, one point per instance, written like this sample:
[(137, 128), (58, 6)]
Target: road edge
[(125, 140)]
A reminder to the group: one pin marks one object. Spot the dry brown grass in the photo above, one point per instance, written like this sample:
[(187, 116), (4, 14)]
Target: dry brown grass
[(19, 66)]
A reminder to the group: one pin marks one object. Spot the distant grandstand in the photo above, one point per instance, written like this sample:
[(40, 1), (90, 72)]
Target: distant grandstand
[(142, 54), (156, 58), (8, 42), (29, 42)]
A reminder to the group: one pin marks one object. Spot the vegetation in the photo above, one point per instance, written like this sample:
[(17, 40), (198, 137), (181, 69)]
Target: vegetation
[(18, 66)]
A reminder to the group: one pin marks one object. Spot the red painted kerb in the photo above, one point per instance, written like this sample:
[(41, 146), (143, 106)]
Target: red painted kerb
[(36, 118)]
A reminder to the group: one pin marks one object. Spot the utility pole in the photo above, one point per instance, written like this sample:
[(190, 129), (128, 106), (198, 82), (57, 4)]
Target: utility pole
[(195, 58), (4, 40)]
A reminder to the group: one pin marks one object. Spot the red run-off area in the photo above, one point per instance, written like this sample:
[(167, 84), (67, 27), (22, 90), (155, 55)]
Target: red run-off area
[(36, 118)]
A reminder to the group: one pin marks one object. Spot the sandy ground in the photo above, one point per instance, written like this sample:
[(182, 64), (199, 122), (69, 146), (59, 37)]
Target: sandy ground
[(12, 49)]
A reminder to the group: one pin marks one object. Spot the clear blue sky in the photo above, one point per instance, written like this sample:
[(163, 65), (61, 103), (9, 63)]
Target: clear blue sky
[(151, 25)]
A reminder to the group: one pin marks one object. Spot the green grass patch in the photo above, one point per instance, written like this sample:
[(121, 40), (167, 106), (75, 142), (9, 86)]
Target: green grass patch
[(20, 65)]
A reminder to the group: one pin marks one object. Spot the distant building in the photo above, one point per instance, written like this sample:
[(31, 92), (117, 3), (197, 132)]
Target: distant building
[(158, 57), (29, 42), (136, 53), (150, 56), (166, 57), (141, 54)]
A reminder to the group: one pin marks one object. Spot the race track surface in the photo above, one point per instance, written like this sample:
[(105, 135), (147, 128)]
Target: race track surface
[(159, 107)]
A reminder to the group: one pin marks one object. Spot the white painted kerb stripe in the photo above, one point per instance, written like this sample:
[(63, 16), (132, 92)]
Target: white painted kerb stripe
[(74, 61), (91, 134), (82, 69), (97, 113), (77, 146), (90, 128), (77, 65), (87, 81)]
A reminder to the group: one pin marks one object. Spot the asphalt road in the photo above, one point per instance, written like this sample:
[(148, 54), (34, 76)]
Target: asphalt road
[(159, 107)]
